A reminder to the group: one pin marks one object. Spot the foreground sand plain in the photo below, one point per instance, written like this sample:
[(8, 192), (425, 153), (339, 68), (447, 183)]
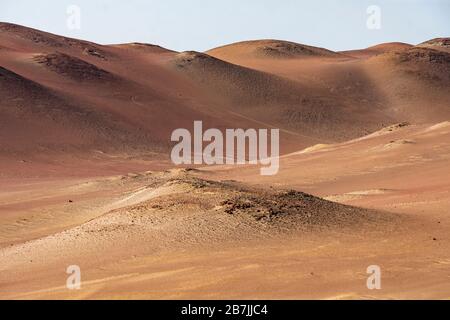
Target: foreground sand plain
[(193, 234)]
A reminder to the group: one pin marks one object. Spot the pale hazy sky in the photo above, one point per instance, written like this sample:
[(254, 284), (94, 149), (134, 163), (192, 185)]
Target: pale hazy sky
[(204, 24)]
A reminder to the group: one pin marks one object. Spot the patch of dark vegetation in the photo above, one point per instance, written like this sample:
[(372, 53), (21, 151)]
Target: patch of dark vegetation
[(30, 34), (294, 209), (147, 46), (200, 183), (285, 49), (187, 58), (51, 40), (94, 52), (72, 67), (397, 126), (424, 64), (438, 42), (423, 54)]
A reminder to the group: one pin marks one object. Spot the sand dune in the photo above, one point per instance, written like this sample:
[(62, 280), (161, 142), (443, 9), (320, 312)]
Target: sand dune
[(262, 96), (376, 87), (377, 49), (50, 118), (329, 97), (261, 49), (313, 111), (145, 47)]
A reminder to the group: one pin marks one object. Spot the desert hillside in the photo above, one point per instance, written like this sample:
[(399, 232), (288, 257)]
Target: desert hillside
[(128, 98)]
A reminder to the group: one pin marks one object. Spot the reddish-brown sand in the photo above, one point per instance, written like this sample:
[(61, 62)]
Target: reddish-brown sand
[(86, 178)]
